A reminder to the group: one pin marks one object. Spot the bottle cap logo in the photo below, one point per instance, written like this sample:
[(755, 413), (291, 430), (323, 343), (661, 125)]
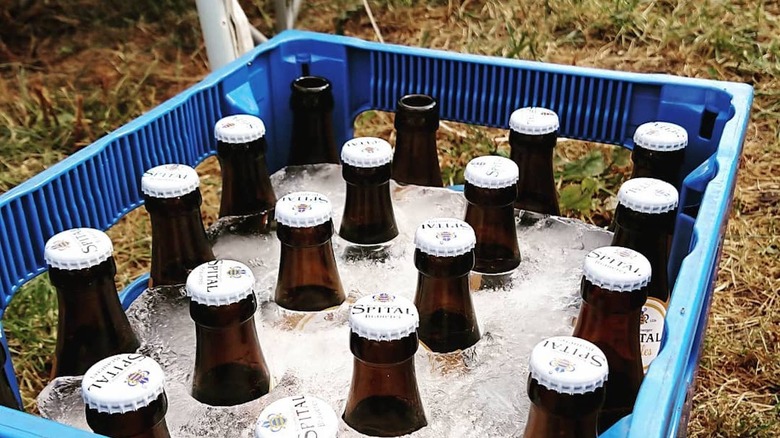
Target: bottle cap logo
[(139, 377), (275, 422)]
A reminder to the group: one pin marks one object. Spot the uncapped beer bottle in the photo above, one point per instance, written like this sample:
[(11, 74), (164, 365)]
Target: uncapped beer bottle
[(643, 219), (125, 397), (659, 151), (7, 397), (299, 416), (230, 368), (383, 397), (416, 158), (533, 134), (368, 222), (91, 323), (614, 289), (308, 276), (444, 256), (566, 388), (313, 140), (179, 242), (248, 198), (491, 189)]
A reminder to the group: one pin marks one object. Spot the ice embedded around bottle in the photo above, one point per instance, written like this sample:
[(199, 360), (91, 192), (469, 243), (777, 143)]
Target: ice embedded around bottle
[(480, 392)]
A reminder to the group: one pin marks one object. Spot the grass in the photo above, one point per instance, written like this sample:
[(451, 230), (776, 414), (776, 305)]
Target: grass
[(72, 71)]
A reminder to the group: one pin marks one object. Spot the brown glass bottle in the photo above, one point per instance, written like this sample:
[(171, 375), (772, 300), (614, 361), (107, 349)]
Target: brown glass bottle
[(416, 158), (313, 140), (659, 151), (230, 368), (566, 388), (91, 323), (7, 397), (614, 289), (114, 385), (491, 190), (179, 242), (444, 257), (308, 277), (533, 135), (368, 217), (383, 397), (248, 198), (643, 221)]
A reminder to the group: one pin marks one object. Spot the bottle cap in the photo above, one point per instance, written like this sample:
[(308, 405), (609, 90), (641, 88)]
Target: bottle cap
[(534, 121), (169, 181), (122, 383), (492, 172), (648, 195), (241, 128), (661, 136), (297, 416), (220, 282), (303, 209), (617, 269), (366, 152), (445, 237), (568, 365), (78, 248), (383, 317)]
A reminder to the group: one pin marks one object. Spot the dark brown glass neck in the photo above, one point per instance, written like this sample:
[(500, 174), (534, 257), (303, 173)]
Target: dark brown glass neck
[(230, 368), (490, 213), (610, 319), (663, 165), (91, 323), (145, 422), (368, 217), (416, 157), (7, 397), (533, 155), (313, 139), (179, 242), (557, 415)]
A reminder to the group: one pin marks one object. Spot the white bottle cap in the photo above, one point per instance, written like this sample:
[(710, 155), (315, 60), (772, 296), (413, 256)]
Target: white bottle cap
[(241, 128), (568, 365), (661, 136), (492, 172), (383, 317), (534, 121), (303, 209), (297, 416), (220, 282), (169, 181), (78, 248), (122, 383), (617, 269), (648, 195), (366, 152), (445, 237)]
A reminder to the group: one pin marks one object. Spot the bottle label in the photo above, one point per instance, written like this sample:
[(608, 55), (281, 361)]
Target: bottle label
[(651, 330), (383, 317)]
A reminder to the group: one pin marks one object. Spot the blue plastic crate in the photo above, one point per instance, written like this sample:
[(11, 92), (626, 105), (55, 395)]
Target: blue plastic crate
[(98, 185)]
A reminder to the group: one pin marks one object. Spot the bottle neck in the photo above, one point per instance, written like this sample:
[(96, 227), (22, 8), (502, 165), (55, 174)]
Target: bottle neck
[(416, 158), (368, 217), (246, 184), (313, 139), (491, 214), (556, 415), (663, 165), (145, 422), (179, 242), (536, 184)]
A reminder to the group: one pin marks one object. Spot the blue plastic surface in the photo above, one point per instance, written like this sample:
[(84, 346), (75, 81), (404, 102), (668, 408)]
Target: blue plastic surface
[(98, 185)]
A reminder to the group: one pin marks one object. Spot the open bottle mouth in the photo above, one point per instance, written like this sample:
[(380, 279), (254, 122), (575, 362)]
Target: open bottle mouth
[(417, 103), (310, 84)]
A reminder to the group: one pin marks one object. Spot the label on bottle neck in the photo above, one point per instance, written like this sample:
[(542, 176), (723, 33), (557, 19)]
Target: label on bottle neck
[(303, 209), (78, 248), (122, 383), (300, 416), (241, 128), (383, 317), (651, 330), (617, 269), (169, 181), (568, 365)]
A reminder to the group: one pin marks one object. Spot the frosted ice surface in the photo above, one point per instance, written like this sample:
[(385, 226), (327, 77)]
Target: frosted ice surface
[(61, 400), (480, 392)]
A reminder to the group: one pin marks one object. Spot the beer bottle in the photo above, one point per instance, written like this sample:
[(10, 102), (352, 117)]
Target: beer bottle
[(230, 368), (533, 134), (312, 138), (659, 151), (566, 388), (643, 219), (444, 256), (491, 190), (299, 416), (248, 198), (368, 222), (125, 397), (179, 242), (614, 289), (416, 158), (383, 397), (7, 397), (91, 323), (308, 277)]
